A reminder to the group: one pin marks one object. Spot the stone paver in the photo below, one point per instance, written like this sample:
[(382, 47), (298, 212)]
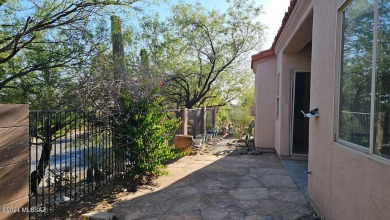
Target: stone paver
[(298, 171), (98, 216), (215, 185)]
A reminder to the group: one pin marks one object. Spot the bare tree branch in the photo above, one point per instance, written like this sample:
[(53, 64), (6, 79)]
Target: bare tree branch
[(55, 19)]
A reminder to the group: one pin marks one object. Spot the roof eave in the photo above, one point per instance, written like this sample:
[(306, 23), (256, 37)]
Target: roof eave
[(262, 55)]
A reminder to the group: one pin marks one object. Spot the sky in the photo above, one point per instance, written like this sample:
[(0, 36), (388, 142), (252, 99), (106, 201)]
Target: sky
[(273, 13)]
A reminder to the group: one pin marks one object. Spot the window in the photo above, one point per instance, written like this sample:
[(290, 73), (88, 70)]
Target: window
[(382, 82), (364, 103)]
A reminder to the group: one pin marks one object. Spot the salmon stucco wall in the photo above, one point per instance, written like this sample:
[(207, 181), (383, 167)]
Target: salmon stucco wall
[(344, 183), (286, 65), (322, 91), (265, 103)]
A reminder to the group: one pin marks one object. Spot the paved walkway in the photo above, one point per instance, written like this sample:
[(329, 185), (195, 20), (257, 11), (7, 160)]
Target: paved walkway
[(215, 185), (298, 169)]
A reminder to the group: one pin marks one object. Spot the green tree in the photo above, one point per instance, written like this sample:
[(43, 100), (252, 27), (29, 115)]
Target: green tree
[(41, 44), (42, 35), (243, 118), (199, 52), (225, 89)]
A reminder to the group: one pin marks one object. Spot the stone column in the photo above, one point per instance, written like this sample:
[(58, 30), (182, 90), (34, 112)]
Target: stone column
[(204, 121), (184, 121)]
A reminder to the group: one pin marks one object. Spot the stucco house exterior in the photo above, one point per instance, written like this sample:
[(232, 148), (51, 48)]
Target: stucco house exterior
[(333, 55)]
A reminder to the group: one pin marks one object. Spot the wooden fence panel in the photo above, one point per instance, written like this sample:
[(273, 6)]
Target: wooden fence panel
[(14, 155)]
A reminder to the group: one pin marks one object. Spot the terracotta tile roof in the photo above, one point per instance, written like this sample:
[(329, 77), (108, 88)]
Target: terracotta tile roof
[(261, 55), (270, 52)]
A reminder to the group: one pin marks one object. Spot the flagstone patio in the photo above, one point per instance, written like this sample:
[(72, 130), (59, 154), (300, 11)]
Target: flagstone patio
[(220, 182)]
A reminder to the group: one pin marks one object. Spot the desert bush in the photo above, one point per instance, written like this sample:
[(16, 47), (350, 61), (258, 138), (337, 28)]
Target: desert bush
[(145, 131)]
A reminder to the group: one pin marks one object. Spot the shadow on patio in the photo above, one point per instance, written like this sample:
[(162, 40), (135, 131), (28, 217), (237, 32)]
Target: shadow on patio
[(209, 186)]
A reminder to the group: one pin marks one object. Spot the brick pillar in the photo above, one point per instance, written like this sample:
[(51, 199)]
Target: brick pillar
[(184, 121), (14, 166)]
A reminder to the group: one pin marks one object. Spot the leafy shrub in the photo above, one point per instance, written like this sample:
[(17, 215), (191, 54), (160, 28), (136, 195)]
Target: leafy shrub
[(145, 131)]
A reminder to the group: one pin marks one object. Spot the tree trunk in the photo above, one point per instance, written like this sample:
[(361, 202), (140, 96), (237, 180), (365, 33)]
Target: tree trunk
[(37, 175)]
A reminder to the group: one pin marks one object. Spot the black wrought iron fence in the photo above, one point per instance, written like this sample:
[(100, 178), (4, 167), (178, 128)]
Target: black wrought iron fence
[(195, 122), (198, 122), (211, 118), (71, 154)]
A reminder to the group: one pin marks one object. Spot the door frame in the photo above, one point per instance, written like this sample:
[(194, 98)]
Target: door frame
[(292, 109)]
